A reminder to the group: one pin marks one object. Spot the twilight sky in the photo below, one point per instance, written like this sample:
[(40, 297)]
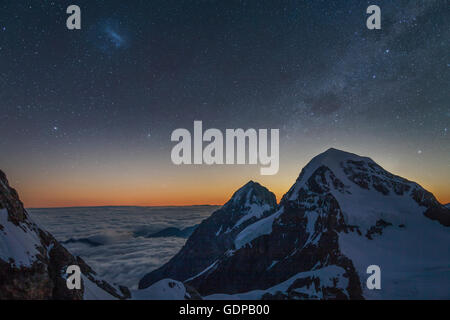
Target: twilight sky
[(86, 115)]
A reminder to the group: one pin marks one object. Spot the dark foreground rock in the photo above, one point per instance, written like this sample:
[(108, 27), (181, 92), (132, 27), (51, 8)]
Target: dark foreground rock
[(33, 263)]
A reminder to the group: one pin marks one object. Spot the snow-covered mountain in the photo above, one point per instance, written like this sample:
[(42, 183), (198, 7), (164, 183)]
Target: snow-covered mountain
[(33, 263), (215, 236), (343, 214)]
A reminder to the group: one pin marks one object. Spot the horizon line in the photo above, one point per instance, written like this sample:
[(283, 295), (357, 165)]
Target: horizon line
[(126, 205)]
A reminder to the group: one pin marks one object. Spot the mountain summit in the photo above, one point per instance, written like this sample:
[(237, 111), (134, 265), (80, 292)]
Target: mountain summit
[(215, 236), (343, 214)]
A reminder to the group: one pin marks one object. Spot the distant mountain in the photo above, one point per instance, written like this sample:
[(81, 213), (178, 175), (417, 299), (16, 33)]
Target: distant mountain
[(215, 236), (33, 263), (343, 214), (173, 232), (87, 241), (96, 241)]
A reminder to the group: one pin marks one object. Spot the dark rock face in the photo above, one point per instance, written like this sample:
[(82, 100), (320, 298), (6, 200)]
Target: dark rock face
[(439, 213), (292, 247), (43, 276), (368, 174), (192, 293), (9, 200), (435, 211), (377, 228), (215, 235)]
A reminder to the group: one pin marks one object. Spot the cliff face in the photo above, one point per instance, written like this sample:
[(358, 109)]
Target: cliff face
[(33, 263)]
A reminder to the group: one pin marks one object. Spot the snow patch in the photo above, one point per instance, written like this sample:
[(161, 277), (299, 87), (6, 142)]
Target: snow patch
[(255, 230), (166, 289), (19, 243), (254, 211), (213, 265)]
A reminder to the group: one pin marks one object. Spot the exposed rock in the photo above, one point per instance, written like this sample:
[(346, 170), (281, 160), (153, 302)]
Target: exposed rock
[(32, 262)]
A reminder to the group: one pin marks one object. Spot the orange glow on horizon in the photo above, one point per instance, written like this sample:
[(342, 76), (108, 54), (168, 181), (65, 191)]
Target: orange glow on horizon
[(184, 197), (136, 183)]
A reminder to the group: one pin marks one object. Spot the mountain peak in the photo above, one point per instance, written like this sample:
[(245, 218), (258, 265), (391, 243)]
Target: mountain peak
[(332, 159), (216, 234), (251, 192), (333, 155), (351, 178), (334, 150), (250, 184)]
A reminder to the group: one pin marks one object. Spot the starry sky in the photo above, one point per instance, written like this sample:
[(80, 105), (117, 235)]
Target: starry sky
[(86, 115)]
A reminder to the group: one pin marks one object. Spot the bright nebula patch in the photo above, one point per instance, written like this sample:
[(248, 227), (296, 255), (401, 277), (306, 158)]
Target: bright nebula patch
[(116, 39), (109, 36)]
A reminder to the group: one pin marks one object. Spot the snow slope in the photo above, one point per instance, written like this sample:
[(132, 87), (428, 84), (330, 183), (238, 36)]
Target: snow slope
[(166, 289), (17, 244)]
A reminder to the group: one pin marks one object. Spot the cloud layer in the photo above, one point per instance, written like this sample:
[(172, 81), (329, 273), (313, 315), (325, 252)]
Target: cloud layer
[(122, 253)]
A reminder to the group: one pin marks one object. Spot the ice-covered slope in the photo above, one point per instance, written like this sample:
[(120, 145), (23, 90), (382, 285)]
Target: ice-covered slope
[(343, 214), (216, 234), (33, 263)]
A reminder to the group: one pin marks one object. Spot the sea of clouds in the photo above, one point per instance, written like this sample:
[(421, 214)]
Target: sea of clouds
[(113, 240)]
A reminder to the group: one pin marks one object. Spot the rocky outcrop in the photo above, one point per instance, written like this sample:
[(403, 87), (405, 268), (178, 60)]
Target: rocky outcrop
[(303, 237), (215, 235), (33, 263)]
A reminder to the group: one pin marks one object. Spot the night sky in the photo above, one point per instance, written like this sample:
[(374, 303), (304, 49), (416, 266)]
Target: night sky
[(86, 115)]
